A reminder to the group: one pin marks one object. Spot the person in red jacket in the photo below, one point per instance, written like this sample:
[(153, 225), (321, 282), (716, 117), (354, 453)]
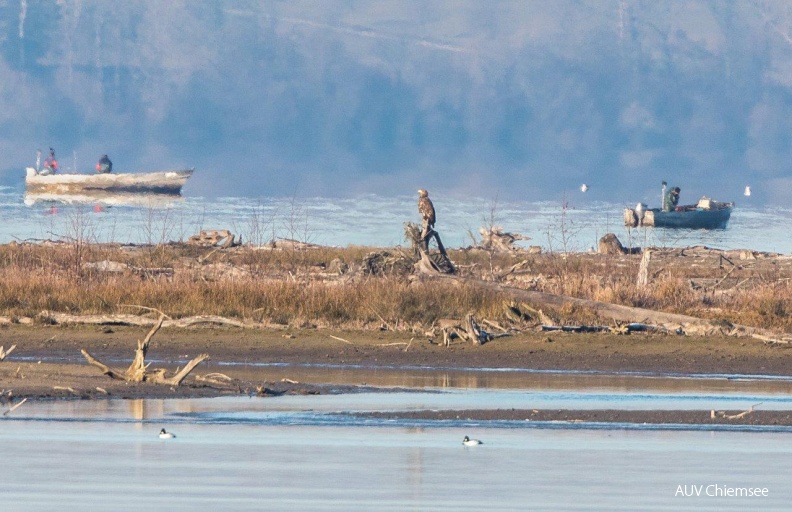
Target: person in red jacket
[(50, 164), (104, 165)]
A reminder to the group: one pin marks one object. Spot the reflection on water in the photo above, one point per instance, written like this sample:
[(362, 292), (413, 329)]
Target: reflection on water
[(338, 410), (512, 378), (104, 198), (479, 378)]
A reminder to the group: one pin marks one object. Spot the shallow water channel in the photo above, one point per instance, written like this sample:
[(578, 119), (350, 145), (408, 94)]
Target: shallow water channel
[(310, 453)]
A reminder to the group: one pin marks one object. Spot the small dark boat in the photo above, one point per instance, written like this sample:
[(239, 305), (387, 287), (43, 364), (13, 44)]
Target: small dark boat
[(706, 214)]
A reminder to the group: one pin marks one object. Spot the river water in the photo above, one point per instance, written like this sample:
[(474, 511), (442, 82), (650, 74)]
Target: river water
[(313, 453), (563, 225)]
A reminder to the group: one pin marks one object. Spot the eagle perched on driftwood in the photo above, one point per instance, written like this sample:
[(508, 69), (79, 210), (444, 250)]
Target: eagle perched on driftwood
[(427, 211)]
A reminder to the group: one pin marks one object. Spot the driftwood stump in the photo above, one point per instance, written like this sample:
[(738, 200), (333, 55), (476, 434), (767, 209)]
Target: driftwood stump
[(610, 244), (138, 371), (474, 332), (430, 261), (643, 270)]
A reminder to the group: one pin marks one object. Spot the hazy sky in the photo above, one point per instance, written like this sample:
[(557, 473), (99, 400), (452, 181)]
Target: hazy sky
[(510, 98)]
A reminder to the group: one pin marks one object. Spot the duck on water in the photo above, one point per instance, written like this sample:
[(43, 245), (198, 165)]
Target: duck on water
[(166, 435), (471, 442)]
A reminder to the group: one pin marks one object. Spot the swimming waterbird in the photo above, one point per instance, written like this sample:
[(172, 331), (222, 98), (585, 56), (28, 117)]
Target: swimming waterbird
[(166, 435), (470, 442)]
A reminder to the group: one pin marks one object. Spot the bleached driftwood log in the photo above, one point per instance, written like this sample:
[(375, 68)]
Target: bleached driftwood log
[(138, 371), (212, 237), (292, 245), (55, 318), (4, 353), (14, 407), (723, 414), (495, 239)]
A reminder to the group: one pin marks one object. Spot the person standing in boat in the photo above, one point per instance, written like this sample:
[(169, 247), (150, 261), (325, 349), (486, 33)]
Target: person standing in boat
[(104, 165), (671, 200), (50, 164)]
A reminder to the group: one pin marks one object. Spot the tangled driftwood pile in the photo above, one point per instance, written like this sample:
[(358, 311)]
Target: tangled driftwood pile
[(495, 239), (467, 329), (379, 263), (213, 237)]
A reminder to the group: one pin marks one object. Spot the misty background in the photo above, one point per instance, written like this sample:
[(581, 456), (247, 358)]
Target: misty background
[(512, 99)]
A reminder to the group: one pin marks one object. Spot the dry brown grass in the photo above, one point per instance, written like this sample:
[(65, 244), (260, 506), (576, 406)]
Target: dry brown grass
[(301, 287)]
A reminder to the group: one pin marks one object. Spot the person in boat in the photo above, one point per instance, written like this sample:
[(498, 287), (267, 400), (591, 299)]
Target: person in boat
[(104, 165), (50, 164), (671, 199)]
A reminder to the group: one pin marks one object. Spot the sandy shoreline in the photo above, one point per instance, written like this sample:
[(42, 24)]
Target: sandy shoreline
[(638, 352), (47, 363)]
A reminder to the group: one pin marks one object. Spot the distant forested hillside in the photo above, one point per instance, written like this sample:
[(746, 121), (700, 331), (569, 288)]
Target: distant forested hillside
[(517, 98)]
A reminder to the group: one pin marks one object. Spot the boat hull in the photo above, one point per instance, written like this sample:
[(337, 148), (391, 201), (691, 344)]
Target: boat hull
[(691, 218), (160, 182)]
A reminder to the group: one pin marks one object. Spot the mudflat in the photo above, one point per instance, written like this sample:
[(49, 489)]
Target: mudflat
[(47, 363)]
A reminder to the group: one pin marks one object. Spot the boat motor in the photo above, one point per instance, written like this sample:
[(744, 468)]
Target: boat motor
[(640, 209)]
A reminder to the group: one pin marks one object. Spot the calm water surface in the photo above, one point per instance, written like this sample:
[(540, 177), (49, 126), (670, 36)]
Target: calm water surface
[(237, 467), (306, 453), (574, 225)]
